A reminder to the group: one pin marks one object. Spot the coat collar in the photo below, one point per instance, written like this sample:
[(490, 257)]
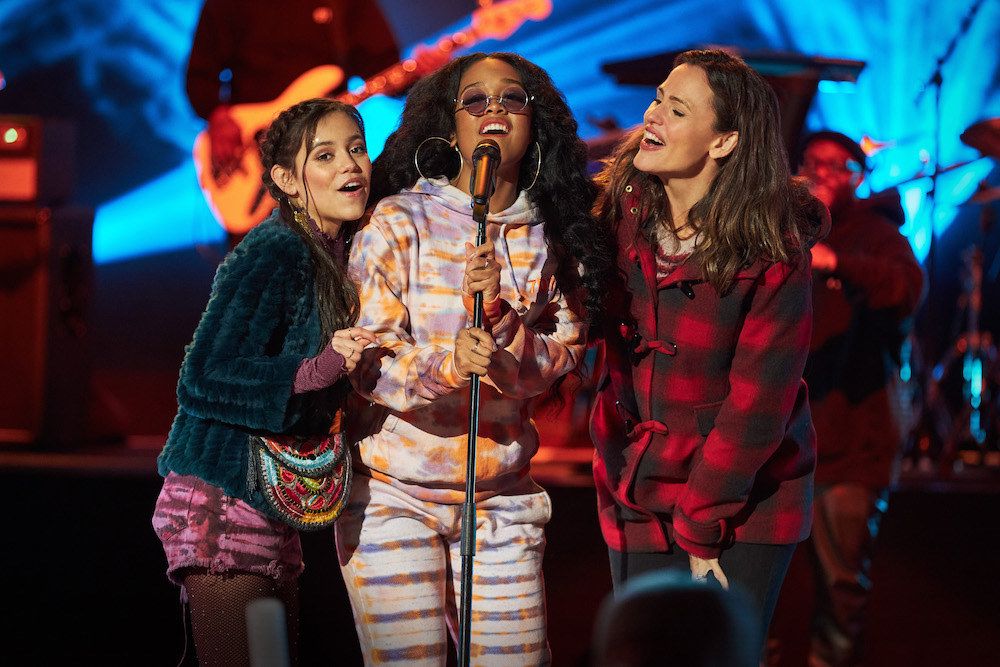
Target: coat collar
[(638, 251)]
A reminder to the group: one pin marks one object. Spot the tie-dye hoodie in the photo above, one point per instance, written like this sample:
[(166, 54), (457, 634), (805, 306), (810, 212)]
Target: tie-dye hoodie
[(409, 263)]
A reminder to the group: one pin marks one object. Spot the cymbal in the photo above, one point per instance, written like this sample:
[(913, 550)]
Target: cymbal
[(984, 136), (985, 196), (921, 175)]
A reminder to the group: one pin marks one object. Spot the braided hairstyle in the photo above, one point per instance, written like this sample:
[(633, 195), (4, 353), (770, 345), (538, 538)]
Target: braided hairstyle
[(336, 295), (563, 190)]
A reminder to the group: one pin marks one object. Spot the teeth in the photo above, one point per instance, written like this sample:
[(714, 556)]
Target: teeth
[(352, 186), (650, 137), (494, 127)]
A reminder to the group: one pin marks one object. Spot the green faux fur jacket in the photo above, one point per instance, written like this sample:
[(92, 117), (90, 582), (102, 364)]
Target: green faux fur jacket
[(238, 373)]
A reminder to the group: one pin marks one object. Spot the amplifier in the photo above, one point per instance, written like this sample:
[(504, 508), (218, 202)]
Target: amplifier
[(37, 160), (46, 281)]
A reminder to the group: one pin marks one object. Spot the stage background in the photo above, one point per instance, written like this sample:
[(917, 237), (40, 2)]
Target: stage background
[(86, 569)]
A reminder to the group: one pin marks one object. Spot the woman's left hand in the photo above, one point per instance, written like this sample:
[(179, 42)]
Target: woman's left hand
[(700, 567), (473, 350), (350, 343), (482, 271), (824, 259)]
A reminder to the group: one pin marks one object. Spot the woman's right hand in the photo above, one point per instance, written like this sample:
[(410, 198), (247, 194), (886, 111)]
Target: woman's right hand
[(482, 271), (701, 567), (225, 142), (350, 343), (473, 350)]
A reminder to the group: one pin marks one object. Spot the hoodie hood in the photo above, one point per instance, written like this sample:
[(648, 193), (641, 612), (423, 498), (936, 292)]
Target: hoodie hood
[(521, 212), (510, 229)]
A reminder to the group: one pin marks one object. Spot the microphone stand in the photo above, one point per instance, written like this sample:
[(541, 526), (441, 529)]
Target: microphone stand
[(937, 80), (480, 209)]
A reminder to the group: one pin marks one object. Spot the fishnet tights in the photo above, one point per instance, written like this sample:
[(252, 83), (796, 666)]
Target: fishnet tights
[(218, 614)]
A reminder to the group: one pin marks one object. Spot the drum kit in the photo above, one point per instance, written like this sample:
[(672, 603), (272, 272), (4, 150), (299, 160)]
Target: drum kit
[(984, 136), (959, 422)]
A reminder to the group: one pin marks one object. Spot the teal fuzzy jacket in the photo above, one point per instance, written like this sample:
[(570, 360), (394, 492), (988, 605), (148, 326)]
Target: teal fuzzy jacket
[(238, 372)]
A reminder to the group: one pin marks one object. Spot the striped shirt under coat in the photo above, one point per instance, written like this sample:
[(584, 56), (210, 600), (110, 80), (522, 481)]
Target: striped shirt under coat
[(702, 423)]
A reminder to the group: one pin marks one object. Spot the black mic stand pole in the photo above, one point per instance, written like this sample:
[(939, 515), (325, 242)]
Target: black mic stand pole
[(937, 81), (480, 209)]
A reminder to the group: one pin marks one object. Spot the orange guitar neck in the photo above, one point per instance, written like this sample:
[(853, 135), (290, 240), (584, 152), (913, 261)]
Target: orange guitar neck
[(496, 21), (401, 75)]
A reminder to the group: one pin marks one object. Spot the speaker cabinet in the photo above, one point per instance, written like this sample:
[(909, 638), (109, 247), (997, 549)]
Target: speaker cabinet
[(46, 283), (36, 160)]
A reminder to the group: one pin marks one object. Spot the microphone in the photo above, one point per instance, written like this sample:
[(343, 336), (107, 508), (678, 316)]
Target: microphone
[(267, 634), (485, 160)]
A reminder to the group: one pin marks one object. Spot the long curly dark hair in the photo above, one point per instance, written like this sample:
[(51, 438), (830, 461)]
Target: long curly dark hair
[(563, 190), (336, 294), (753, 209)]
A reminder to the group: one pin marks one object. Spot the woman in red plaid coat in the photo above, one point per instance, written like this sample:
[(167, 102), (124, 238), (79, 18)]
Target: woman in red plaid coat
[(705, 448)]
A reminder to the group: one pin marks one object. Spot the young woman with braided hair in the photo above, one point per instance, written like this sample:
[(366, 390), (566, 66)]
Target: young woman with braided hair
[(270, 355)]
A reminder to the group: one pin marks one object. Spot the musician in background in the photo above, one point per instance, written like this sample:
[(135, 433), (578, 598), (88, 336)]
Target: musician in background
[(866, 286), (251, 50)]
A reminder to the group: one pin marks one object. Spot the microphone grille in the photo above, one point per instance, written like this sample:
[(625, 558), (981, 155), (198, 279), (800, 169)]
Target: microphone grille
[(486, 146)]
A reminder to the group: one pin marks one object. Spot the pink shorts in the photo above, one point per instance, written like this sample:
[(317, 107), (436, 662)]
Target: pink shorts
[(201, 527)]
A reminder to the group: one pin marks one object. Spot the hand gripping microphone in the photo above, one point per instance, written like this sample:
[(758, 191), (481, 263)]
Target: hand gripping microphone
[(485, 160)]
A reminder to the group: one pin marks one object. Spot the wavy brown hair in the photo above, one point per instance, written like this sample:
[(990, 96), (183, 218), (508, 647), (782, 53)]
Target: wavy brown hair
[(753, 209)]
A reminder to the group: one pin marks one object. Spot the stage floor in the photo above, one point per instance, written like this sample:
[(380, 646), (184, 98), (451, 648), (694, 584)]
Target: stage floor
[(85, 571)]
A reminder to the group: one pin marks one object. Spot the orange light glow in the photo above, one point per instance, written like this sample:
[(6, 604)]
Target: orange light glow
[(13, 137)]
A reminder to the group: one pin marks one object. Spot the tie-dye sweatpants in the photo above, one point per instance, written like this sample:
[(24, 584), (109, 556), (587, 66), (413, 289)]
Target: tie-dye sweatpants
[(401, 560)]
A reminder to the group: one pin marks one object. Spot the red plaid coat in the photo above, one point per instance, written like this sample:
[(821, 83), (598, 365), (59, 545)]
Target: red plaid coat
[(702, 423)]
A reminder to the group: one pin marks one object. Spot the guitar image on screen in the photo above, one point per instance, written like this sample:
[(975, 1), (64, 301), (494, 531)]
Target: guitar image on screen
[(238, 199)]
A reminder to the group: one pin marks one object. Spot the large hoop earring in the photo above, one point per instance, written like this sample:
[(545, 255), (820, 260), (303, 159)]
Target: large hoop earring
[(538, 166), (421, 144)]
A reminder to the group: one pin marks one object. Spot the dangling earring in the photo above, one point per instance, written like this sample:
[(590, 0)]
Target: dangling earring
[(420, 145), (538, 166), (300, 216), (312, 230)]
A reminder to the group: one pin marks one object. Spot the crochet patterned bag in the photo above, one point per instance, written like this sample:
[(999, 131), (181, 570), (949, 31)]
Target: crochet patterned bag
[(307, 481)]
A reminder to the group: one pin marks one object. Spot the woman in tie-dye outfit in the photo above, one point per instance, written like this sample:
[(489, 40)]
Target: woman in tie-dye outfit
[(540, 271)]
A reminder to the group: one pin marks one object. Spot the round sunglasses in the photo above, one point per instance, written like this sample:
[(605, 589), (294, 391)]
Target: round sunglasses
[(476, 101)]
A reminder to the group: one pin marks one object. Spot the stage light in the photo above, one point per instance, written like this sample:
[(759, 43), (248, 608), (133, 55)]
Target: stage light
[(19, 159), (15, 137), (871, 146)]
